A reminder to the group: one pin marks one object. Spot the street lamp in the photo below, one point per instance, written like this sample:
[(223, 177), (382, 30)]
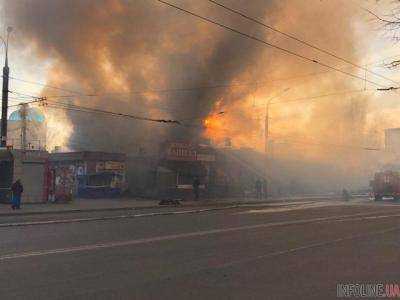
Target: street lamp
[(266, 129), (266, 140), (4, 99)]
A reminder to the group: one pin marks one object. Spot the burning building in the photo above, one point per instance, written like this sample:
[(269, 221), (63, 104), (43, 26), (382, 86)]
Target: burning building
[(189, 70), (180, 163)]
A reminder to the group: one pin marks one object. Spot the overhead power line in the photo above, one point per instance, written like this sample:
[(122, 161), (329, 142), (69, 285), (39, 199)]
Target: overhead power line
[(184, 89), (45, 85), (323, 96), (220, 113), (308, 44), (194, 88), (170, 90), (47, 97), (54, 104), (24, 95), (16, 99), (45, 100), (392, 88), (38, 100), (287, 51), (60, 105), (63, 105)]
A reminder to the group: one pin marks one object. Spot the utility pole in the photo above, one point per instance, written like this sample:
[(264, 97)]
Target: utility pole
[(23, 112), (266, 153), (266, 122), (266, 129), (4, 99), (267, 149)]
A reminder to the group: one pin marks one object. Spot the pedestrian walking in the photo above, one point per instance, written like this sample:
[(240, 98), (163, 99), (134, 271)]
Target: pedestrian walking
[(17, 190), (345, 195), (196, 185)]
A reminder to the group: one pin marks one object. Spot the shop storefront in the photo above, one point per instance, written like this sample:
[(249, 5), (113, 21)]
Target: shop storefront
[(87, 175), (180, 163)]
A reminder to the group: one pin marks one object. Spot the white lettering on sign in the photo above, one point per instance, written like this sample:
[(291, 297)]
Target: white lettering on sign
[(181, 151)]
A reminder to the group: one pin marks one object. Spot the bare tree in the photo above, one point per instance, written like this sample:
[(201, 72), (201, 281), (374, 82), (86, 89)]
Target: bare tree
[(390, 23)]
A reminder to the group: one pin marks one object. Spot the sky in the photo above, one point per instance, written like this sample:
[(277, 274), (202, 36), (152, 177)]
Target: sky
[(372, 44), (375, 45)]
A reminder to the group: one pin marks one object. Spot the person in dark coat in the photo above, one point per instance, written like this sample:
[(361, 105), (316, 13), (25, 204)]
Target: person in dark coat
[(17, 190), (196, 185), (345, 195)]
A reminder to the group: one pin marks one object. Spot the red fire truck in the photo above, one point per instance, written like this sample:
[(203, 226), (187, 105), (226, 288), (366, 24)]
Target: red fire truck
[(386, 184)]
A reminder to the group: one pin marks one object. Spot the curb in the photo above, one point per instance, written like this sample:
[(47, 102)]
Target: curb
[(75, 210), (109, 209), (81, 220), (133, 208), (184, 212)]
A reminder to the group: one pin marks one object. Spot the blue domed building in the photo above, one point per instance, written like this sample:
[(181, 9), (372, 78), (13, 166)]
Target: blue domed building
[(35, 125), (32, 115)]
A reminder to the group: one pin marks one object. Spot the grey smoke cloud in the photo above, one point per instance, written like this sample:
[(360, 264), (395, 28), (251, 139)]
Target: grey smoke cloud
[(115, 47), (111, 47)]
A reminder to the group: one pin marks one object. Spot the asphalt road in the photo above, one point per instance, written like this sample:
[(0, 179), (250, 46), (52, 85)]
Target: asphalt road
[(298, 250)]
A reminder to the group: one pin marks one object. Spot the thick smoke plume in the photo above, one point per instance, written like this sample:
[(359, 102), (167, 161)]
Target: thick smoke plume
[(116, 49), (144, 58)]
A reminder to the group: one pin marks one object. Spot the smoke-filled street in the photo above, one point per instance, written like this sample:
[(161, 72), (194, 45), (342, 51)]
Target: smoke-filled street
[(296, 250), (199, 149)]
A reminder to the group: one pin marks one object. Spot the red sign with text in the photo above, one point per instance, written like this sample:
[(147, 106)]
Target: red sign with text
[(180, 151)]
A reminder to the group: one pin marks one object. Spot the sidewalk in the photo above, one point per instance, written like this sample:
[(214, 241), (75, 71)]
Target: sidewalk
[(91, 205), (78, 205)]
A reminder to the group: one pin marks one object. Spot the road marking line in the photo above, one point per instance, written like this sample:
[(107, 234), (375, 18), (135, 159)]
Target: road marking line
[(164, 238)]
